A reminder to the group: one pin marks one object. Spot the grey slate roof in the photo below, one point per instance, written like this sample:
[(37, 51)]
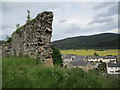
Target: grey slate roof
[(79, 63), (109, 57), (104, 57), (94, 57), (68, 56), (77, 58), (113, 64)]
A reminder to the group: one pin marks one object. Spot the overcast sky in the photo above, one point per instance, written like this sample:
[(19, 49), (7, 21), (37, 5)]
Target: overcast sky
[(70, 19)]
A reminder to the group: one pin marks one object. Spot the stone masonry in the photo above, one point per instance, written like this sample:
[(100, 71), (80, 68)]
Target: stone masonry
[(32, 39)]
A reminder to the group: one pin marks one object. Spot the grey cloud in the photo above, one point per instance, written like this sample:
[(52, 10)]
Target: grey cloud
[(4, 27), (101, 20), (62, 21), (14, 13), (102, 5), (106, 16), (3, 37), (72, 28), (113, 10), (110, 25), (15, 6), (106, 26)]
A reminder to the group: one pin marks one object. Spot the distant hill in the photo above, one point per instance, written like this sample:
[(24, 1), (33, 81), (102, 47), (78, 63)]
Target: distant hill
[(100, 41)]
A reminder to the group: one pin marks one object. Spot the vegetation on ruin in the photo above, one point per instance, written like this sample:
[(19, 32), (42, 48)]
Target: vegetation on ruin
[(28, 16), (18, 31), (24, 72), (57, 60), (9, 39)]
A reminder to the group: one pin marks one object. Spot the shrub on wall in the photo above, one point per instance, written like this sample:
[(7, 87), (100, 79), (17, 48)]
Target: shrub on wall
[(57, 60), (9, 39)]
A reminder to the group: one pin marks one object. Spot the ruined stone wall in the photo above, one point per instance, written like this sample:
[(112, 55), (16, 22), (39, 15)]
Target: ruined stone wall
[(6, 49), (34, 38)]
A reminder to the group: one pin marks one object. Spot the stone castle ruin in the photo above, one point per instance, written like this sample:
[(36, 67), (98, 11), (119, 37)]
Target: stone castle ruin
[(32, 39)]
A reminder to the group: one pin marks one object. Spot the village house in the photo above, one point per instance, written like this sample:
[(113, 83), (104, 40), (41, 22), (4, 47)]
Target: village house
[(86, 66), (76, 61), (94, 58), (67, 59), (87, 62), (118, 58), (105, 59), (71, 58), (113, 68)]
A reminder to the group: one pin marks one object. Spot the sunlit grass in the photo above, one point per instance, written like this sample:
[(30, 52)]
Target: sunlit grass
[(91, 52)]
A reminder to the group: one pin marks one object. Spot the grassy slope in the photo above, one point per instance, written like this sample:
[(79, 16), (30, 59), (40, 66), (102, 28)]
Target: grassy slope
[(90, 52), (23, 72)]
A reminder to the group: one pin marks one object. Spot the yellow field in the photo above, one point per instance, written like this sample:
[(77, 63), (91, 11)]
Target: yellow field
[(91, 52)]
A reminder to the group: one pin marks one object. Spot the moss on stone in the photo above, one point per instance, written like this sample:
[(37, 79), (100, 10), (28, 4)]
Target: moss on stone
[(9, 39)]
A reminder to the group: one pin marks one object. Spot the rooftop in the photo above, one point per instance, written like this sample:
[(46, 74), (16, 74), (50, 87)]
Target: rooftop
[(113, 64), (68, 56), (79, 63), (79, 57), (109, 57), (104, 57)]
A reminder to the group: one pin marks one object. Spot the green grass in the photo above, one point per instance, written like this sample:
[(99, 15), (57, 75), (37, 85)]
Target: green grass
[(90, 52), (24, 72)]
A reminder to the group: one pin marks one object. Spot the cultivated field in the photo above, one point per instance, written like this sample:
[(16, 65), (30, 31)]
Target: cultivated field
[(91, 52)]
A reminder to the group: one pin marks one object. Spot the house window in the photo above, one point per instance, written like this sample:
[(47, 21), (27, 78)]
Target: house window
[(72, 58), (111, 71), (117, 71)]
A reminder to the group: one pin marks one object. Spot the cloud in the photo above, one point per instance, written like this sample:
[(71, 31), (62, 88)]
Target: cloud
[(106, 19), (70, 19), (62, 21), (73, 28), (112, 10), (102, 5), (101, 20), (4, 27), (104, 27)]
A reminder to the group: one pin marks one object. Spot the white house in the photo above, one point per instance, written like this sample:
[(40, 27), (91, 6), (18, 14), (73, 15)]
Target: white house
[(113, 68), (67, 59), (93, 58), (105, 59)]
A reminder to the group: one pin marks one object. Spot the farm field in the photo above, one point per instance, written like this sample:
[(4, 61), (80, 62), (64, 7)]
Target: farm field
[(91, 52)]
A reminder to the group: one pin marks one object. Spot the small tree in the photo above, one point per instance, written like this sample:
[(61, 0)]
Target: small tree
[(102, 67), (8, 39), (17, 26), (28, 17), (96, 54), (57, 60)]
